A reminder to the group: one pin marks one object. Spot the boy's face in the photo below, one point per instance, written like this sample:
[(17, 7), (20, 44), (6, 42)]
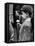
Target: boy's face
[(25, 15)]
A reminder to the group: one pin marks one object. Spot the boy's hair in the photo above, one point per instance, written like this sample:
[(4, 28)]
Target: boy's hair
[(27, 9)]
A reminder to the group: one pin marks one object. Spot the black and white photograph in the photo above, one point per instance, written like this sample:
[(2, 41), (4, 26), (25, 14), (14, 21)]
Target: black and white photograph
[(19, 22)]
